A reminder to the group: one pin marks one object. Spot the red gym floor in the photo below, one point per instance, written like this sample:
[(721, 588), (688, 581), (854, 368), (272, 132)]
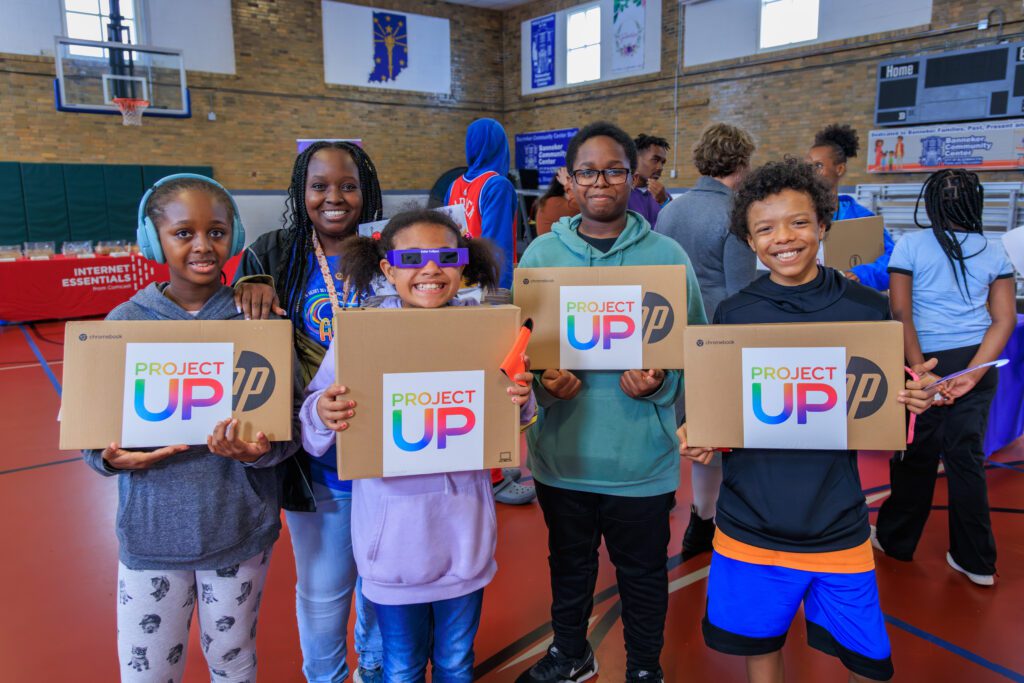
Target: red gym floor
[(58, 568)]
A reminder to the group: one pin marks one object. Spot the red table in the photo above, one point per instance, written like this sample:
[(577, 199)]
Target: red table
[(66, 287)]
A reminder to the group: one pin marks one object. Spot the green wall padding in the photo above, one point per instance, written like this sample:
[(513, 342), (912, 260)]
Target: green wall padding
[(46, 209), (87, 201), (13, 228), (60, 202), (124, 190)]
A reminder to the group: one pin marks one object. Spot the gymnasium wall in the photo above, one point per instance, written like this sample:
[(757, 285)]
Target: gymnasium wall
[(781, 97), (275, 95)]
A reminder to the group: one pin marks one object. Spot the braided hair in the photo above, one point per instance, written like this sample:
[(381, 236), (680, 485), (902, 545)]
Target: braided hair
[(953, 199), (164, 194), (361, 256), (294, 270)]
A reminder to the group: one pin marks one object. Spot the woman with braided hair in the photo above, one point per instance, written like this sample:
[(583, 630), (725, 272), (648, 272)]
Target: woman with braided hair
[(954, 294), (294, 272), (834, 145)]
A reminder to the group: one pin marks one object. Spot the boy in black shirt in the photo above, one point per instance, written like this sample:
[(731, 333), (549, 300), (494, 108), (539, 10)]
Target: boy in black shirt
[(793, 525)]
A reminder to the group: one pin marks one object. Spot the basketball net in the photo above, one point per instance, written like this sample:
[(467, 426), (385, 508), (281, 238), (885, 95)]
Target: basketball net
[(131, 110)]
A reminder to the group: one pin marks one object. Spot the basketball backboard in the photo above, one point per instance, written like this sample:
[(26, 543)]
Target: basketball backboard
[(91, 73)]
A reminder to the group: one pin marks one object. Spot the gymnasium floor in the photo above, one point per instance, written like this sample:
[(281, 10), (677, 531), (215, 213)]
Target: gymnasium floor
[(57, 575)]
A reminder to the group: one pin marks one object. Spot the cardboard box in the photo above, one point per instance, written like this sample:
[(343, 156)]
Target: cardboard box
[(734, 401), (853, 242), (604, 318), (429, 392), (97, 380)]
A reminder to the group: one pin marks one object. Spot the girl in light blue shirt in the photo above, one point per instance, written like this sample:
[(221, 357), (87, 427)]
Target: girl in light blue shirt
[(954, 293)]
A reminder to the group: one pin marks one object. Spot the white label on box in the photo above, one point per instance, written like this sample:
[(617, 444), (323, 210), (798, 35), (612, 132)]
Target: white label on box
[(433, 422), (175, 393), (794, 398), (600, 327)]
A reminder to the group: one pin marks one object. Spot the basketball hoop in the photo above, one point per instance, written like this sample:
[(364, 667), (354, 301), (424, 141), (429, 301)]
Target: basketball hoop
[(131, 109)]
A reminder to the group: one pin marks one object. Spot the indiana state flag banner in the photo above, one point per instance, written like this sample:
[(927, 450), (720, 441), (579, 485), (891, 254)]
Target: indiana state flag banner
[(390, 46), (377, 47)]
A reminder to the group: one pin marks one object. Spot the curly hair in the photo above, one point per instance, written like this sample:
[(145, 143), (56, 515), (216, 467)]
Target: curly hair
[(643, 141), (841, 138), (597, 129), (773, 178), (361, 256), (722, 150)]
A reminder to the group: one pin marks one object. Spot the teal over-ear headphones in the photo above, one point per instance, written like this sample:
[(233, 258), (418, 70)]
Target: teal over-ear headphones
[(149, 240)]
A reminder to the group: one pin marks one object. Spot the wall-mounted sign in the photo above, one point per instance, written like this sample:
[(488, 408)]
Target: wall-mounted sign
[(979, 146)]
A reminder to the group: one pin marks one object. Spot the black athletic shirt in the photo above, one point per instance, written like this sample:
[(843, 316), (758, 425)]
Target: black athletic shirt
[(799, 500), (602, 244)]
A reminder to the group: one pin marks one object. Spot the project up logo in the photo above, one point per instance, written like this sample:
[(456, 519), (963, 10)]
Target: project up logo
[(600, 327), (433, 422), (175, 393), (794, 398)]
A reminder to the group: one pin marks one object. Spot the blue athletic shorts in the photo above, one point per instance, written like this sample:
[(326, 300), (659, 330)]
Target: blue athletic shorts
[(751, 606)]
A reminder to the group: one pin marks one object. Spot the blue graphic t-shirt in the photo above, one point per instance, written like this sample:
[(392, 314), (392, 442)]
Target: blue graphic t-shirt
[(317, 315), (317, 319)]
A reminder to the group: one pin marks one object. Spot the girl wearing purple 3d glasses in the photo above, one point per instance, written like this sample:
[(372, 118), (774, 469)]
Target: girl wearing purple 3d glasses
[(425, 579)]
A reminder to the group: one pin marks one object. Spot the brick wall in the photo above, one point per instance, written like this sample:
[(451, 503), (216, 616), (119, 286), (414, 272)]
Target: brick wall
[(277, 94), (782, 98)]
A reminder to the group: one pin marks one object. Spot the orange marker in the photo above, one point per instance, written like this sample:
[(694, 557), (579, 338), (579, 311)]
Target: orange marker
[(513, 363)]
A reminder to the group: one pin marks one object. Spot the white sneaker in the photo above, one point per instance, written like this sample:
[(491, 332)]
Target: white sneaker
[(874, 539), (978, 579)]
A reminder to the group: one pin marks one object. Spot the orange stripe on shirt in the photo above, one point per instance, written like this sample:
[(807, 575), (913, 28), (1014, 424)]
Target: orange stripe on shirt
[(848, 561)]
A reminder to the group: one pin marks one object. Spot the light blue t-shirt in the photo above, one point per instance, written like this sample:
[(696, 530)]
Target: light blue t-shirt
[(948, 317)]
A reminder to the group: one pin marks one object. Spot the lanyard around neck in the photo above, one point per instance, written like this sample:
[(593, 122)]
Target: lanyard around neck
[(332, 292)]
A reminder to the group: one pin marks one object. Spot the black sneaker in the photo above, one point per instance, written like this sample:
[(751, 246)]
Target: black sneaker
[(699, 535), (645, 676), (554, 667)]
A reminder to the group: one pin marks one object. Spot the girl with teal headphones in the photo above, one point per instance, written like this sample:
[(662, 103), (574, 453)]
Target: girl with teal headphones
[(196, 524)]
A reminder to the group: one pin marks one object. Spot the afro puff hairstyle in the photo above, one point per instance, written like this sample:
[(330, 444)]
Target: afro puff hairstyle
[(842, 138)]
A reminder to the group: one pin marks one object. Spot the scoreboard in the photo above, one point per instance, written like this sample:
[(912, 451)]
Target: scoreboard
[(966, 85)]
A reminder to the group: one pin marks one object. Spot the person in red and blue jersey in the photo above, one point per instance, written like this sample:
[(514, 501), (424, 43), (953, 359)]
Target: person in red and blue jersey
[(490, 202), (486, 192), (833, 146)]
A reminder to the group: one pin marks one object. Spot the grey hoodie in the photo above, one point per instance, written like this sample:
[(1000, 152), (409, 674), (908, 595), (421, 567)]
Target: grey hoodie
[(196, 510)]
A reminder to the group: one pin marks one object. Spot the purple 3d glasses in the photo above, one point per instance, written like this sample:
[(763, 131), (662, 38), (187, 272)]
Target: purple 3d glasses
[(417, 258)]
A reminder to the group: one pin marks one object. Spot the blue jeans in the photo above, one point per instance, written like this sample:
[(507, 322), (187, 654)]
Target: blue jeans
[(442, 632), (326, 576)]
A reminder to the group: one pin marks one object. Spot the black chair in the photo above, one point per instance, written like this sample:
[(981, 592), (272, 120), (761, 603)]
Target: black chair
[(441, 185)]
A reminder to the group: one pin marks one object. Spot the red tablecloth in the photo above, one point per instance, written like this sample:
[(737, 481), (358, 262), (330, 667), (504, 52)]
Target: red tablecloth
[(65, 287)]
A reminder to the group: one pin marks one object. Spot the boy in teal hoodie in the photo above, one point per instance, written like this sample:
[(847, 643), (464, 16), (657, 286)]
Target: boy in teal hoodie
[(604, 453)]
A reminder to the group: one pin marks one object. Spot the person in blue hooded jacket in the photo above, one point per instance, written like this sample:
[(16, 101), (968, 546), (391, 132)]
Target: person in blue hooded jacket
[(490, 202), (833, 145), (486, 192)]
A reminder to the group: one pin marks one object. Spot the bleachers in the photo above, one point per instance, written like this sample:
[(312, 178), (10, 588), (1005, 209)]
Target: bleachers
[(1004, 210)]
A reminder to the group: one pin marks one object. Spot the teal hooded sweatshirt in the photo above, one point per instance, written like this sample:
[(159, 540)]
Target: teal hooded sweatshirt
[(603, 441)]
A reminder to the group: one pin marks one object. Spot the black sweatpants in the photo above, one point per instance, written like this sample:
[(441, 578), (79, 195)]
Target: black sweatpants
[(957, 434), (636, 531)]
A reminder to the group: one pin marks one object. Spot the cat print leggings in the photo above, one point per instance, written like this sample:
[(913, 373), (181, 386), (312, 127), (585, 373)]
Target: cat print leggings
[(154, 615)]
